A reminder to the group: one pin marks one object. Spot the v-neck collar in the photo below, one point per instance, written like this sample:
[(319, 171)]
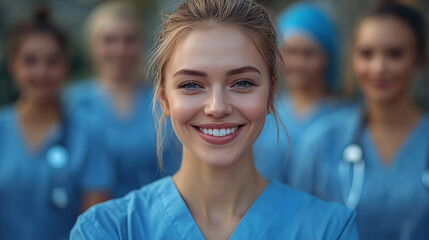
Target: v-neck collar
[(108, 103), (260, 215), (395, 162), (51, 136), (253, 225), (306, 118)]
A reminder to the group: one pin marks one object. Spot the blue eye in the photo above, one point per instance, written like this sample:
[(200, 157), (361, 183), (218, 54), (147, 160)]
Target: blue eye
[(189, 86), (243, 84)]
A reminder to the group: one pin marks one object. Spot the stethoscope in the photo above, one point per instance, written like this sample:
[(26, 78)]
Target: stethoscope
[(352, 167), (57, 157)]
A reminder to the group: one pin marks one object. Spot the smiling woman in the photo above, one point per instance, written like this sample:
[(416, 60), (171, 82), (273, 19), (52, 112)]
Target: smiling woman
[(230, 91), (385, 140), (215, 68), (47, 159)]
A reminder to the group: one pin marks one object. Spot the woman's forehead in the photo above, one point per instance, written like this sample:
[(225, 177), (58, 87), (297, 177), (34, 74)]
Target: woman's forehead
[(216, 48)]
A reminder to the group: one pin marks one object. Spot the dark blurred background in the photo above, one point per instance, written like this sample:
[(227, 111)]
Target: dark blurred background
[(70, 15)]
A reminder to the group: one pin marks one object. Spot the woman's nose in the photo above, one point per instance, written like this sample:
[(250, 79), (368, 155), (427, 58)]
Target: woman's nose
[(217, 105)]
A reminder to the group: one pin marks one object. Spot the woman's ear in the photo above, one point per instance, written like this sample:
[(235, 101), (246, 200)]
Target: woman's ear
[(164, 103)]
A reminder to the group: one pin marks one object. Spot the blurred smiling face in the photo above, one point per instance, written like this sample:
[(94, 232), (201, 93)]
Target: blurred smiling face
[(115, 46), (39, 66), (216, 93), (384, 58), (304, 62)]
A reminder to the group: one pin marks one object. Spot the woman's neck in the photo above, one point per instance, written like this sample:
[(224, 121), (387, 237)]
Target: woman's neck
[(35, 111), (36, 119), (118, 85), (395, 114), (304, 99), (390, 123), (216, 196), (122, 91)]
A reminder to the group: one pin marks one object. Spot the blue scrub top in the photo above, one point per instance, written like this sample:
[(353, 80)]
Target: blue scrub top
[(130, 141), (157, 211), (273, 157), (28, 180), (394, 202)]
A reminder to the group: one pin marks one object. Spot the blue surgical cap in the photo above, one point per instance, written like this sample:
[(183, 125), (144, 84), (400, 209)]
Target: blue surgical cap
[(309, 20)]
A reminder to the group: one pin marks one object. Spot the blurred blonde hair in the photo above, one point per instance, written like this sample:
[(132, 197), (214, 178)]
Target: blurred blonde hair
[(113, 9), (122, 9)]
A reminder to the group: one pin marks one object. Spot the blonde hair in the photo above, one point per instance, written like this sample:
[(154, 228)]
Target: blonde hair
[(123, 9), (193, 14), (117, 10)]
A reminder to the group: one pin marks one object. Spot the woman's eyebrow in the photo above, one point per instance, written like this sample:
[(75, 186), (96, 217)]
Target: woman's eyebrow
[(189, 72), (242, 70)]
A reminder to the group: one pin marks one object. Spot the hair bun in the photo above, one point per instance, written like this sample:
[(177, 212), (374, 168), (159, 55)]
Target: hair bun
[(41, 14)]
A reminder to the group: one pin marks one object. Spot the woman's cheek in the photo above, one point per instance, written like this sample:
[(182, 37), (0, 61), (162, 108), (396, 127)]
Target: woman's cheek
[(183, 107), (253, 106)]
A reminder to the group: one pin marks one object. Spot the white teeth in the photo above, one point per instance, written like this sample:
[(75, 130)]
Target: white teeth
[(222, 132), (218, 132)]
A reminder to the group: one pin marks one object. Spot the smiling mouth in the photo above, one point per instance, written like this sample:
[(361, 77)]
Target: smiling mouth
[(380, 83), (218, 132), (40, 84)]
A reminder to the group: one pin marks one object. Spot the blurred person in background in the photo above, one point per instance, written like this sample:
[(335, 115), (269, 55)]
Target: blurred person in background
[(375, 157), (309, 47), (51, 167), (117, 99)]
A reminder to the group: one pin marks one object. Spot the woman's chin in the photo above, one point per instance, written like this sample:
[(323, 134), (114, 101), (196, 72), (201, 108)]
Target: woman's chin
[(219, 160)]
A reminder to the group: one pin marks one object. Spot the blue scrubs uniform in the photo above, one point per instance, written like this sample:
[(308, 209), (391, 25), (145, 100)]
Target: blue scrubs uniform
[(37, 200), (157, 211), (130, 141), (394, 202), (273, 157)]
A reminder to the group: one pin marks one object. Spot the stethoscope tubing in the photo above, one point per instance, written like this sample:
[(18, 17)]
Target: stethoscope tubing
[(356, 163)]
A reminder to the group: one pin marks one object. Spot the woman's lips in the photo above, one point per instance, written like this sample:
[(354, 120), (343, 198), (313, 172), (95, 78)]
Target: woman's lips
[(218, 134), (379, 84)]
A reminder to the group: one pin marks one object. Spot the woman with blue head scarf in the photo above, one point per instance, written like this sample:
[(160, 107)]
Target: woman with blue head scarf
[(309, 47)]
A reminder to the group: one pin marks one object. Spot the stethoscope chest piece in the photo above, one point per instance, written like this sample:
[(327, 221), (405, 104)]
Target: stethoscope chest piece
[(425, 178), (352, 153), (57, 157), (353, 160)]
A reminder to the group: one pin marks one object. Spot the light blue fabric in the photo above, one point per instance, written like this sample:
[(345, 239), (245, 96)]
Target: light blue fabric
[(130, 142), (157, 211), (27, 180), (309, 20), (274, 159), (394, 202)]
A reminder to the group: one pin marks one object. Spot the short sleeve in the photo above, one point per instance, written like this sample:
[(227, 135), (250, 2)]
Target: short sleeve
[(349, 231), (301, 172), (102, 221), (98, 173), (85, 229)]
